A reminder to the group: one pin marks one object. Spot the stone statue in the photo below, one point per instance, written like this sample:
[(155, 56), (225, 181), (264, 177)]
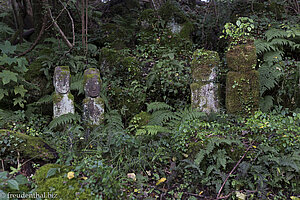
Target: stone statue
[(63, 100), (205, 89), (93, 105)]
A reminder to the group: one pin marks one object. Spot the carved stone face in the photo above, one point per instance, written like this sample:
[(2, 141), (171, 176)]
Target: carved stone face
[(92, 87), (61, 80), (92, 82)]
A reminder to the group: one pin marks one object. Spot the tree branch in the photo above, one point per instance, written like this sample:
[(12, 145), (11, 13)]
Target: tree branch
[(60, 31), (37, 39), (72, 21), (219, 193)]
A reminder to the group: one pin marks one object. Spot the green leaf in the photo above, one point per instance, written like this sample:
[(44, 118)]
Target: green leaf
[(20, 90), (7, 47), (7, 60), (3, 175), (19, 101), (21, 179), (238, 22), (2, 93), (7, 76), (51, 172), (13, 184), (21, 67), (3, 195)]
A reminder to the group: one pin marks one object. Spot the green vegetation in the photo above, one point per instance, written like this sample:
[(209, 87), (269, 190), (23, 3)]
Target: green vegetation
[(151, 55)]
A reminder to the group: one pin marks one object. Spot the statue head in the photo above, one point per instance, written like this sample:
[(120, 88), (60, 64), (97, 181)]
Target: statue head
[(61, 79), (92, 82)]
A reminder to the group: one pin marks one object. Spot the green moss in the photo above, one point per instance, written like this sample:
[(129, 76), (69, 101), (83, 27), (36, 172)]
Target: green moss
[(140, 119), (28, 146), (57, 98), (202, 63), (186, 30), (242, 92), (59, 183), (88, 75), (70, 96), (242, 58), (99, 101)]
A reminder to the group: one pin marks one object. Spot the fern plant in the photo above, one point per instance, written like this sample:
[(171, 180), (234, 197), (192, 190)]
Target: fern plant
[(272, 49)]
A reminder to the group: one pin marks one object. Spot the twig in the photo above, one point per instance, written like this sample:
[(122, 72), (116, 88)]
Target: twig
[(60, 31), (59, 14), (72, 21), (37, 39), (219, 193)]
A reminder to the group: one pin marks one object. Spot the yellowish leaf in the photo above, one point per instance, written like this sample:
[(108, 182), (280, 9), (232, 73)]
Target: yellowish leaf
[(200, 192), (161, 181), (70, 175), (84, 178)]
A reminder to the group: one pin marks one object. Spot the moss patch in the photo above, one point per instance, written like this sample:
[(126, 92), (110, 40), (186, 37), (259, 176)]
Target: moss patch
[(60, 184), (242, 57), (186, 30), (27, 146), (90, 73), (202, 64), (57, 97), (242, 92), (141, 119)]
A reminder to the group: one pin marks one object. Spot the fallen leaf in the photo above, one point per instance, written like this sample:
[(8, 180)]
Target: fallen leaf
[(70, 175), (161, 181)]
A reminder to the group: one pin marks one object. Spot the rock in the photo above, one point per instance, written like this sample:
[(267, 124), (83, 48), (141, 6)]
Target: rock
[(27, 148)]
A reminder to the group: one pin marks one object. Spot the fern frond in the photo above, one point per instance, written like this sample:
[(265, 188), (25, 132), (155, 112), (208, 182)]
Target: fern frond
[(160, 117), (63, 120), (268, 75), (47, 99), (186, 114), (113, 122), (152, 130), (154, 106), (275, 33), (77, 83), (282, 42)]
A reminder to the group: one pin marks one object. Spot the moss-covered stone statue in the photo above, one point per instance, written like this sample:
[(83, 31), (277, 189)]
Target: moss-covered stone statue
[(204, 89), (242, 83), (63, 100), (93, 105)]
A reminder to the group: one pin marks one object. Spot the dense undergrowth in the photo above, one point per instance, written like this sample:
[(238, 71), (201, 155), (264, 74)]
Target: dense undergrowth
[(152, 145), (180, 154)]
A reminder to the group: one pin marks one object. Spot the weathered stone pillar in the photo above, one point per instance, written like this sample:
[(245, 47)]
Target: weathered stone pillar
[(93, 105), (242, 83), (204, 89), (63, 100)]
